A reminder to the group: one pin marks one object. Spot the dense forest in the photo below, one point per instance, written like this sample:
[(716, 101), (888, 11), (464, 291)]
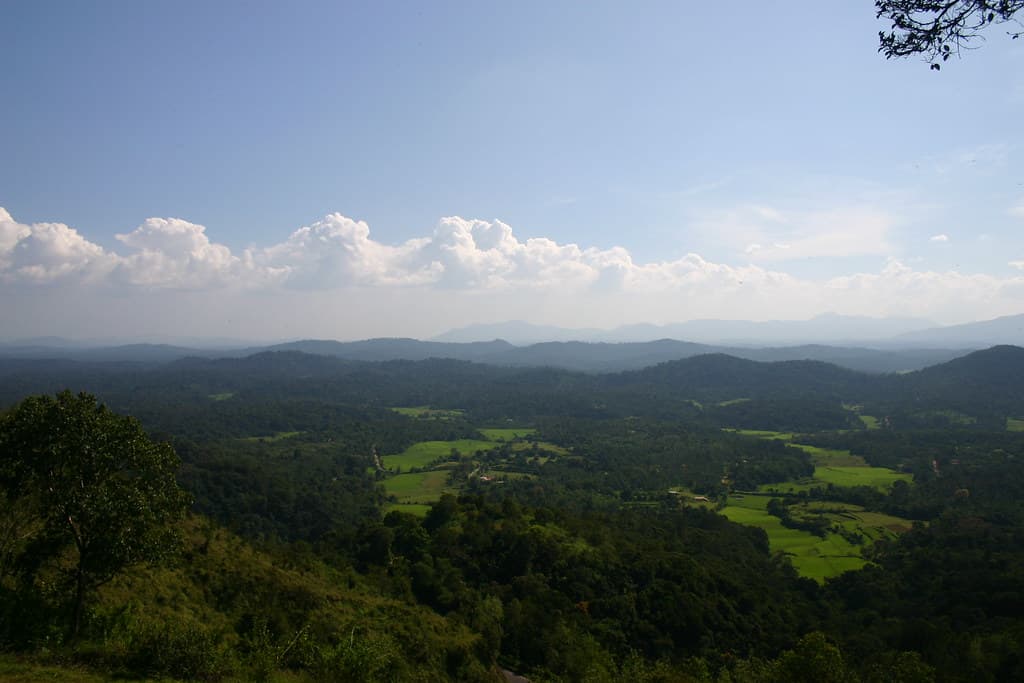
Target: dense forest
[(706, 519)]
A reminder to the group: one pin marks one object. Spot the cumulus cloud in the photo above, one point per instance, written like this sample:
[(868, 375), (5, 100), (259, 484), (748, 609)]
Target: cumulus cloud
[(1019, 265), (939, 238), (45, 253), (461, 260), (170, 252)]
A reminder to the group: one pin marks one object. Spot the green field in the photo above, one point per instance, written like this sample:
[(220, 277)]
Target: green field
[(831, 456), (542, 445), (1015, 424), (876, 477), (425, 453), (869, 421), (505, 433), (220, 397), (428, 412), (419, 487), (813, 557)]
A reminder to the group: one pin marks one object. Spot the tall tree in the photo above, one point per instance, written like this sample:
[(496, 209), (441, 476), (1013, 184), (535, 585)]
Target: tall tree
[(103, 494)]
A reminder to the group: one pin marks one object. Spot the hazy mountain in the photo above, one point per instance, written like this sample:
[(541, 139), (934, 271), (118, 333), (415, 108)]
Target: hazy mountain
[(135, 353), (582, 356), (521, 333), (827, 328), (397, 348), (1005, 330)]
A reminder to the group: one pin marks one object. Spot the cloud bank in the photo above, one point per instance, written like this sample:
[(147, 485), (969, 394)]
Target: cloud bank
[(462, 271)]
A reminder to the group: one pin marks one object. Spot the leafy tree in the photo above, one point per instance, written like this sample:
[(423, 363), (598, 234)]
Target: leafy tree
[(103, 494), (939, 28)]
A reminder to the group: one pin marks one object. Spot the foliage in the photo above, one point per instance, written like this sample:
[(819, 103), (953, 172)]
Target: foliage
[(937, 29), (104, 495)]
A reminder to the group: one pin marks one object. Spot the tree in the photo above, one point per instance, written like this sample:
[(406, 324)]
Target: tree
[(940, 28), (103, 494)]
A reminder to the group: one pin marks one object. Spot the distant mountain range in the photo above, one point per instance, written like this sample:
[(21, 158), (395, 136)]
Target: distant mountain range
[(824, 329), (905, 351), (828, 329), (586, 357)]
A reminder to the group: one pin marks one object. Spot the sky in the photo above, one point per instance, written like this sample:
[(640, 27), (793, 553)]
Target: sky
[(268, 171)]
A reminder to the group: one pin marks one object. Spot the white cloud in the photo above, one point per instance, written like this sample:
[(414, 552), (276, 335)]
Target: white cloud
[(1017, 211), (170, 252), (939, 238), (463, 266), (45, 253), (1019, 265)]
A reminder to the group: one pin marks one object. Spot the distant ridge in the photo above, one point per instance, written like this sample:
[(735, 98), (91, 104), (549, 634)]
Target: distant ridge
[(828, 328), (581, 356), (999, 331)]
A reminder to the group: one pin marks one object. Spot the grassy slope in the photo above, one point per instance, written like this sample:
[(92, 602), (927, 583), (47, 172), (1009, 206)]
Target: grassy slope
[(813, 557), (221, 580), (425, 453)]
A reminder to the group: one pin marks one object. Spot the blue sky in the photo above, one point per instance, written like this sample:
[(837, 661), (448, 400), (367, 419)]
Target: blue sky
[(279, 170)]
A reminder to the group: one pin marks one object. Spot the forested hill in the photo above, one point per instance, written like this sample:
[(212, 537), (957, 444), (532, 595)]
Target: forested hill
[(982, 385), (722, 377), (989, 380), (569, 355)]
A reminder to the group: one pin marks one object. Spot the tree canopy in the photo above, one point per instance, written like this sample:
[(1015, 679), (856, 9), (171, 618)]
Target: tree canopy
[(93, 493), (937, 29)]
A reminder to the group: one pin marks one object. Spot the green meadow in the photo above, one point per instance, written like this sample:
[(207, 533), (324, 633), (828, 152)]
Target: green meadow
[(875, 477), (426, 453), (422, 488), (814, 557), (541, 445), (832, 466), (869, 421), (417, 487), (1015, 424), (505, 433), (427, 412)]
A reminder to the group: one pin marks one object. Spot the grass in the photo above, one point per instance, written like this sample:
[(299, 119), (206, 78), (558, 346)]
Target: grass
[(814, 557), (419, 487), (425, 453), (279, 436), (831, 456), (1015, 424), (221, 397), (506, 434), (428, 412), (17, 671), (870, 422), (876, 477), (541, 445)]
